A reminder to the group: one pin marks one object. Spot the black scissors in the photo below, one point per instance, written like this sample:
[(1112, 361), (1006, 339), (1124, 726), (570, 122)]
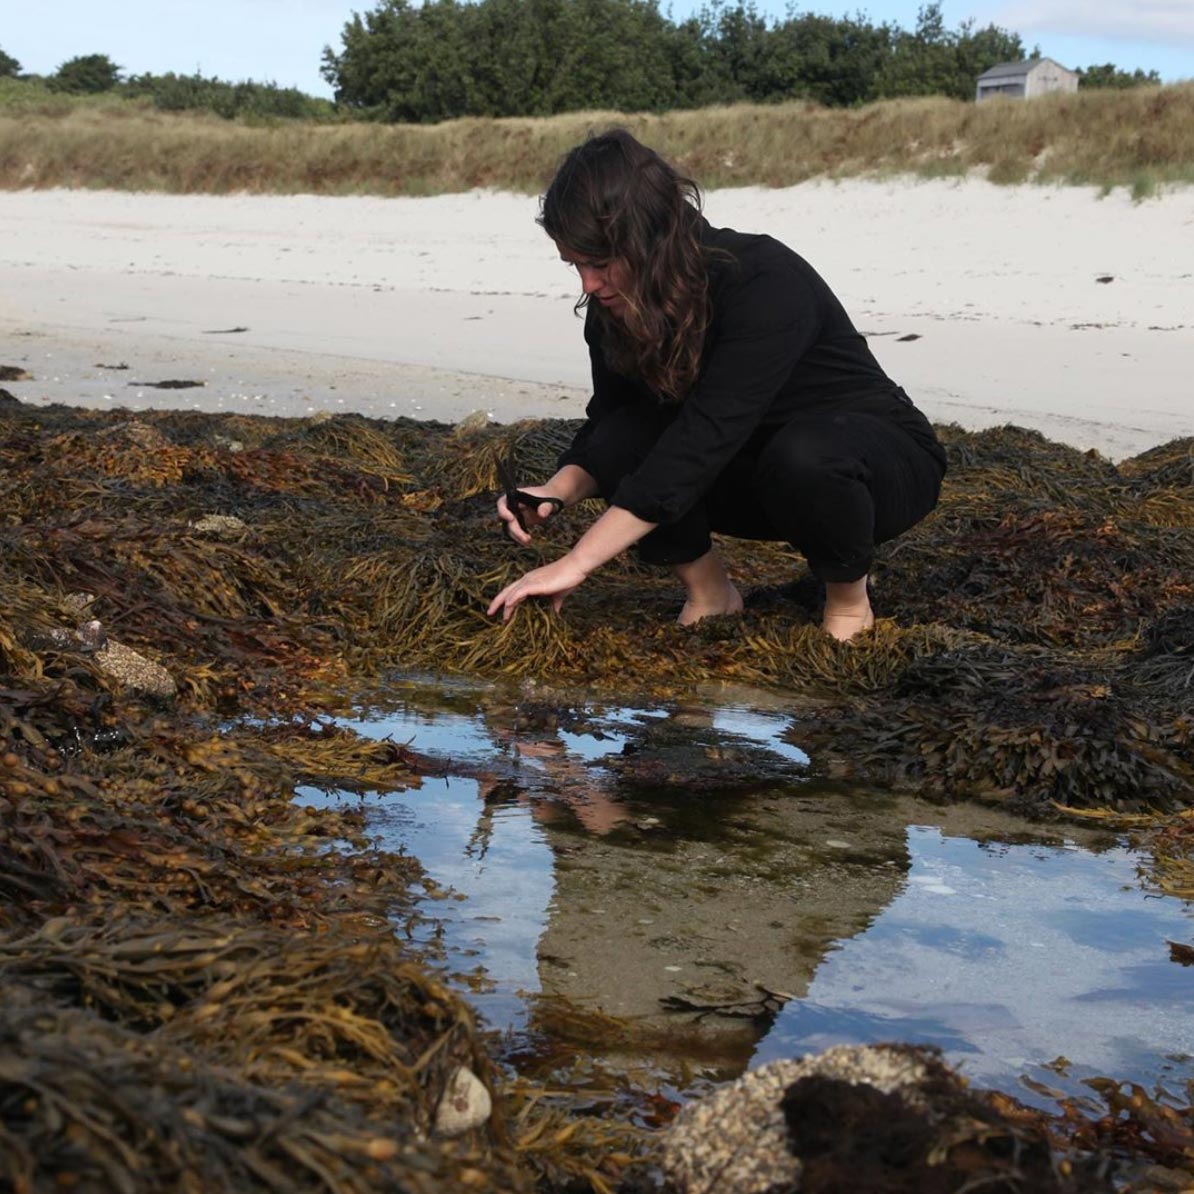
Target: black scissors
[(517, 498)]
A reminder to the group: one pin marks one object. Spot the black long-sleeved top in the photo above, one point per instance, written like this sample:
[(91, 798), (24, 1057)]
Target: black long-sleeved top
[(779, 344)]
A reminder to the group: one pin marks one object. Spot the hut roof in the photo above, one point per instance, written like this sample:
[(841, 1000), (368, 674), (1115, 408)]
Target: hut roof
[(1008, 69)]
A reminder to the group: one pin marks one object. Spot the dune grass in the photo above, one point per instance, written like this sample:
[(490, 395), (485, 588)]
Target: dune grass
[(1142, 139)]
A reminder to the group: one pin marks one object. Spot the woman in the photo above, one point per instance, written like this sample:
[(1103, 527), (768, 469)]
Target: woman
[(731, 393)]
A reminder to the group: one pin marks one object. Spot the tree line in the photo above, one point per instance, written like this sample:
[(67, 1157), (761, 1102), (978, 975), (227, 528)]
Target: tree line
[(448, 58), (441, 59), (96, 74)]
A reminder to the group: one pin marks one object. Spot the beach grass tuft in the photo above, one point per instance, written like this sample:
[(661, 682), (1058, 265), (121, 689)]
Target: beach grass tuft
[(1141, 139)]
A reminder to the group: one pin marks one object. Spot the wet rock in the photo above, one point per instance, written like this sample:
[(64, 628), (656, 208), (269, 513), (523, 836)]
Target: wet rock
[(87, 639), (116, 659), (7, 399), (14, 373), (465, 1104), (78, 602), (875, 1117), (226, 527), (93, 635), (696, 755), (134, 671)]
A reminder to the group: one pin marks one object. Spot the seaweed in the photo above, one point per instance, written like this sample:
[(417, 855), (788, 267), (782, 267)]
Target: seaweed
[(209, 985)]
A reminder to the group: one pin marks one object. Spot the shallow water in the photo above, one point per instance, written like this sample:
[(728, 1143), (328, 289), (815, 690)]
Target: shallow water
[(683, 869)]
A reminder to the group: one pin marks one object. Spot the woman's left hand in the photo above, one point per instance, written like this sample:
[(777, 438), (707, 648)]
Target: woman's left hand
[(554, 580)]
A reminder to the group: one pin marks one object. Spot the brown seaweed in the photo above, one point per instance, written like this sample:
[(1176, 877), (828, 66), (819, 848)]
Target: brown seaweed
[(206, 983)]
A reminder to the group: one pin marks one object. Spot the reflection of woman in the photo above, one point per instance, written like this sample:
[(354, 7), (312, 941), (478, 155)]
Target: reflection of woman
[(731, 393), (553, 775)]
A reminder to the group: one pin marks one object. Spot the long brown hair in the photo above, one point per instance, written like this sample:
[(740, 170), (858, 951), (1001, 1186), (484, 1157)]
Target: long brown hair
[(613, 198)]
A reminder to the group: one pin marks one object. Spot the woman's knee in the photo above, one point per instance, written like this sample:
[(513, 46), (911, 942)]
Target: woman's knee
[(806, 464)]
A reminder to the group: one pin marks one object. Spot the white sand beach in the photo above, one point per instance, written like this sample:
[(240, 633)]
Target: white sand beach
[(1053, 308)]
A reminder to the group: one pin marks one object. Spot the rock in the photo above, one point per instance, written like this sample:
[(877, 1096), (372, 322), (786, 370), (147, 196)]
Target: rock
[(464, 1105), (89, 638), (134, 670), (7, 399), (92, 635), (889, 1117), (477, 420), (228, 443), (737, 1138), (130, 667), (219, 526), (78, 602)]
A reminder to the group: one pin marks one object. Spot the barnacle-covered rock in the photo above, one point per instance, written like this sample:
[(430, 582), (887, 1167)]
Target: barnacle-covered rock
[(220, 526), (871, 1117), (133, 670)]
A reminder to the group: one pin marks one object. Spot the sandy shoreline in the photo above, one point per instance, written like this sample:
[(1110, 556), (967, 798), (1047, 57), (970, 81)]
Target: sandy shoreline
[(442, 306)]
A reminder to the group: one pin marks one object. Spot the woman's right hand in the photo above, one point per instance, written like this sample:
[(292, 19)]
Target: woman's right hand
[(533, 516)]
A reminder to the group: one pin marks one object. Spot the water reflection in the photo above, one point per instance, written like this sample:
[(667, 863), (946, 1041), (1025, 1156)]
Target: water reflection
[(1013, 956), (677, 869)]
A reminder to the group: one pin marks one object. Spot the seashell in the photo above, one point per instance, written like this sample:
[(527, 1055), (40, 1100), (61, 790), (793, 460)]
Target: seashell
[(464, 1105)]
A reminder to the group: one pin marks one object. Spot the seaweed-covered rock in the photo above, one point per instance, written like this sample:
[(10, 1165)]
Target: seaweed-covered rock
[(888, 1118)]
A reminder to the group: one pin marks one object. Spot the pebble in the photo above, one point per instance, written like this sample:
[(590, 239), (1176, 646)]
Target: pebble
[(465, 1104)]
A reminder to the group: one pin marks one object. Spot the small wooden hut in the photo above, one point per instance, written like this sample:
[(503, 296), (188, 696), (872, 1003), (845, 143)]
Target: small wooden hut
[(1023, 80)]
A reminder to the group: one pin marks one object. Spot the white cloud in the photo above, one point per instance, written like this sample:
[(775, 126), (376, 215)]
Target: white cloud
[(1169, 22)]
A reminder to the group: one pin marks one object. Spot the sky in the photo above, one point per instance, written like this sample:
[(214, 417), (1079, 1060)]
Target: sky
[(282, 41)]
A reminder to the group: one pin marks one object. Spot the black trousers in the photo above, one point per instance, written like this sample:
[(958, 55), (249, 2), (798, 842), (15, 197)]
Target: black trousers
[(832, 483)]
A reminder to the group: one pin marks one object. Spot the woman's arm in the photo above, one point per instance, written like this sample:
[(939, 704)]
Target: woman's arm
[(570, 484), (612, 533)]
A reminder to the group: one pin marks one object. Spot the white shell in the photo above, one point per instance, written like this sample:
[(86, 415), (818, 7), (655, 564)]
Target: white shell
[(465, 1104)]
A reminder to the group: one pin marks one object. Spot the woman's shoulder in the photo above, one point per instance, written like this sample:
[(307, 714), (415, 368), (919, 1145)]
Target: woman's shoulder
[(738, 257), (749, 251)]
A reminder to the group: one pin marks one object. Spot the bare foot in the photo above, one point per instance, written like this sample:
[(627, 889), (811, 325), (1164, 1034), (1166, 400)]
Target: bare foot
[(729, 601), (847, 609), (843, 625), (710, 590)]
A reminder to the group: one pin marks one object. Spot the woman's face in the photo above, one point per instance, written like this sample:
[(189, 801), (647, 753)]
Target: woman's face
[(605, 281)]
